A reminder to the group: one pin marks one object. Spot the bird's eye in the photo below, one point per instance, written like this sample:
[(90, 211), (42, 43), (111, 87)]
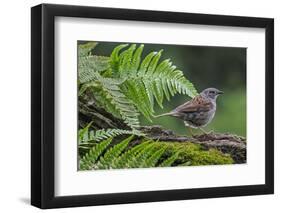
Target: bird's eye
[(211, 92)]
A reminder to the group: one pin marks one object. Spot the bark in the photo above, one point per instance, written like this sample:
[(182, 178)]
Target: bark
[(89, 111), (224, 142)]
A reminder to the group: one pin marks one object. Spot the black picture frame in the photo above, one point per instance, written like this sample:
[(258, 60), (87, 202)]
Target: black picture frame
[(43, 102)]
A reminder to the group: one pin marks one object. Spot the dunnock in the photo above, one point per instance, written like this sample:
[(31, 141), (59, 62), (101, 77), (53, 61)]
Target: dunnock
[(199, 111)]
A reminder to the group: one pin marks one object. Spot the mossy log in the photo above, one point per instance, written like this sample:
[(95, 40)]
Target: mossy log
[(224, 142), (227, 143)]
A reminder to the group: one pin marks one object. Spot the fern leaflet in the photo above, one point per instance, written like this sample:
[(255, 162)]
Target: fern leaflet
[(88, 160), (148, 80), (110, 156)]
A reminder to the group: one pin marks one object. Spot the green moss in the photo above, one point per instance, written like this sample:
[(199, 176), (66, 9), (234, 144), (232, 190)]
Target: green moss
[(149, 153), (194, 155)]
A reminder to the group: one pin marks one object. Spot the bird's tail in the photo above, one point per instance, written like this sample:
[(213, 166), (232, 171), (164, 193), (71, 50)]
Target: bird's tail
[(165, 114)]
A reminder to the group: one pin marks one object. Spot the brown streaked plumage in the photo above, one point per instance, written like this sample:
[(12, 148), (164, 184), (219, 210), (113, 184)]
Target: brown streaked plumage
[(199, 111)]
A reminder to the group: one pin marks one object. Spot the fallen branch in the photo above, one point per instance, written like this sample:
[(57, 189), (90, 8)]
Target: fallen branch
[(231, 144), (224, 142)]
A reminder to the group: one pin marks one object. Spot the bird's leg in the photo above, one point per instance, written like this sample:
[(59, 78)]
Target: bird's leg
[(205, 132)]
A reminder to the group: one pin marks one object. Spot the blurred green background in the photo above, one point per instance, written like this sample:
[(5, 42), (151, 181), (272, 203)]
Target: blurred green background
[(221, 67)]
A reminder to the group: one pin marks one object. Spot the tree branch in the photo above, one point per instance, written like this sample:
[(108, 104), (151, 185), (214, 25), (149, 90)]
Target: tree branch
[(231, 144)]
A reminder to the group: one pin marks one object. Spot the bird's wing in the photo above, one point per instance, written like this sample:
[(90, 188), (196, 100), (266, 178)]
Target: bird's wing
[(197, 104)]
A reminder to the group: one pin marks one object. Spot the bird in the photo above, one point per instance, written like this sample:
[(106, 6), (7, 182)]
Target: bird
[(197, 112)]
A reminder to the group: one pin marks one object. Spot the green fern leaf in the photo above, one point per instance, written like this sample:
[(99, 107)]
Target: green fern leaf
[(84, 49), (108, 94), (153, 159), (87, 137), (140, 160), (154, 62), (91, 64), (126, 61), (125, 85), (145, 64), (149, 154), (114, 58), (89, 159), (149, 79), (136, 60), (136, 91), (111, 155), (124, 160), (83, 133), (169, 161)]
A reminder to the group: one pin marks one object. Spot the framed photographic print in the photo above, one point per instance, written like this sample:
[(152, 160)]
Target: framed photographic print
[(139, 106)]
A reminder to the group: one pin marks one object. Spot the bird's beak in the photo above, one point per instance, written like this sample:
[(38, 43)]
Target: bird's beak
[(220, 92)]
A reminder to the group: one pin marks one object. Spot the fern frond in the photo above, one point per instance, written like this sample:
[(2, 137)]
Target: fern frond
[(125, 85), (102, 134), (125, 61), (135, 91), (154, 158), (149, 154), (140, 159), (90, 137), (83, 133), (114, 57), (148, 80), (106, 162), (169, 161), (108, 94), (88, 160), (126, 109), (85, 49), (136, 59), (88, 64), (124, 160)]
